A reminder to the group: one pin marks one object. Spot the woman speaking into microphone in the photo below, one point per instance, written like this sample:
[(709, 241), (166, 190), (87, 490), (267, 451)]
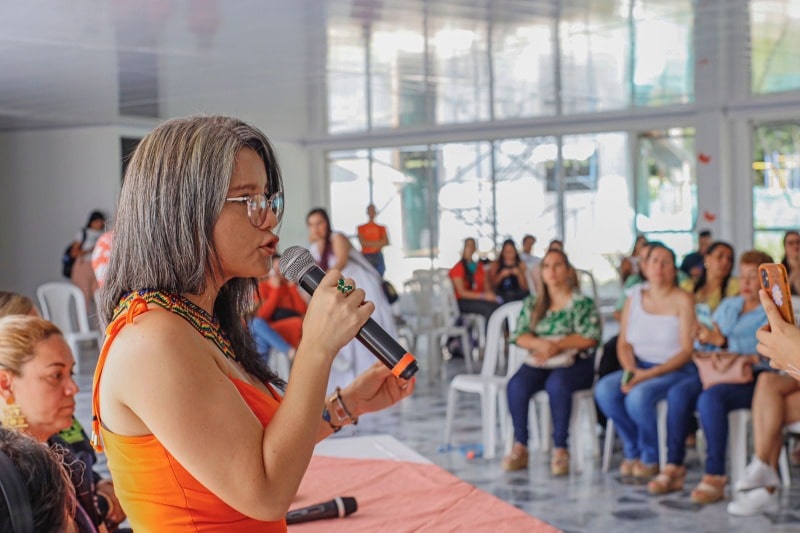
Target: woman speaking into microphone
[(200, 434)]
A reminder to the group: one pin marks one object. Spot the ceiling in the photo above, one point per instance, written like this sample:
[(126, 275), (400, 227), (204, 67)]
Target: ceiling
[(91, 62)]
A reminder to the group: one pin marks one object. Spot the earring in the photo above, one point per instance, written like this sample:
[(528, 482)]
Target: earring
[(12, 415)]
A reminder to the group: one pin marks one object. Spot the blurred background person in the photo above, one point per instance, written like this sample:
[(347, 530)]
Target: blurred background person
[(82, 247), (332, 250), (508, 276), (791, 259), (692, 264), (373, 238)]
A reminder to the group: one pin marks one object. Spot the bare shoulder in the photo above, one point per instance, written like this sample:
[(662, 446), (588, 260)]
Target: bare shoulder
[(158, 345), (683, 299), (337, 239)]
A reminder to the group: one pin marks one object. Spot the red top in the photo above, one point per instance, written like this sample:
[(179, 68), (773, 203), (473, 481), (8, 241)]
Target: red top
[(285, 296), (478, 278)]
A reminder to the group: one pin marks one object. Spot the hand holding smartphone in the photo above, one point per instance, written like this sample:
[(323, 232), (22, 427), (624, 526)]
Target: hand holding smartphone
[(627, 375), (775, 282)]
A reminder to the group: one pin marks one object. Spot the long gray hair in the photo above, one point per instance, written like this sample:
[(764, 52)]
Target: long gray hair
[(174, 190)]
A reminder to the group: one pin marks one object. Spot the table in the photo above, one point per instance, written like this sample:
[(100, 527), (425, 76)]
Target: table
[(398, 490)]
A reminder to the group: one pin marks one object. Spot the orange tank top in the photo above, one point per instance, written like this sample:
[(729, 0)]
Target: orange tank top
[(155, 491)]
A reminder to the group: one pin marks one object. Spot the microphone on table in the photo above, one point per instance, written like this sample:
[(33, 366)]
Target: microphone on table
[(297, 265), (338, 507)]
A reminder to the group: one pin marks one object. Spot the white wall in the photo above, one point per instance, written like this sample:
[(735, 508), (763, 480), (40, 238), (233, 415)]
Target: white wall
[(51, 180)]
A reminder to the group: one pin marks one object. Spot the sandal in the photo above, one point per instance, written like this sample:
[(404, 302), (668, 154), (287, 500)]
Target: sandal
[(644, 471), (711, 489), (559, 462), (516, 460), (669, 480), (626, 467)]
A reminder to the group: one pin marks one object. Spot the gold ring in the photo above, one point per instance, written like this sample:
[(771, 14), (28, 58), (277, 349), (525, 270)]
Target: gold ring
[(344, 289)]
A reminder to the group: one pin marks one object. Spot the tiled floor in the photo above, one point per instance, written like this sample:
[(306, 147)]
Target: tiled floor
[(586, 502)]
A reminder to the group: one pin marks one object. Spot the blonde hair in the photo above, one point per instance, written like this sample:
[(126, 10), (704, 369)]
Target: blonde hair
[(19, 335), (12, 303)]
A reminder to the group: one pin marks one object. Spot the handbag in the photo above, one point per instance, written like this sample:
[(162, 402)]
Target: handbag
[(562, 359), (723, 367), (390, 292)]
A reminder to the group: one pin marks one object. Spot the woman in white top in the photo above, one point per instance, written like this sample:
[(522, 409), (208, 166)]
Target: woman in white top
[(655, 349), (333, 250)]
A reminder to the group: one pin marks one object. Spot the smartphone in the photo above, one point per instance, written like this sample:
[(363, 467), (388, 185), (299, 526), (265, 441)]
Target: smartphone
[(703, 312), (627, 375), (775, 281)]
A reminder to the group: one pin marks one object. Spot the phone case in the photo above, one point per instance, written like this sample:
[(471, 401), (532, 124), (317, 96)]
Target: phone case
[(775, 281)]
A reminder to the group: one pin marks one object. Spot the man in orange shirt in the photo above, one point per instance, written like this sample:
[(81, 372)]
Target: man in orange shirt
[(373, 238)]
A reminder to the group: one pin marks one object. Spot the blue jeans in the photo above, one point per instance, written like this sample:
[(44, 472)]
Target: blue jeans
[(377, 261), (713, 406), (559, 383), (681, 405), (267, 338), (634, 414)]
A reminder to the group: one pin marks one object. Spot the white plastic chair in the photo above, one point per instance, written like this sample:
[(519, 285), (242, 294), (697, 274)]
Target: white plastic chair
[(437, 315), (488, 384), (64, 305), (661, 422), (582, 408)]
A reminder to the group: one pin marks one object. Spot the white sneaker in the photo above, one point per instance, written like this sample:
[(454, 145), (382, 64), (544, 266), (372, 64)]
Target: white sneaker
[(758, 474), (753, 502)]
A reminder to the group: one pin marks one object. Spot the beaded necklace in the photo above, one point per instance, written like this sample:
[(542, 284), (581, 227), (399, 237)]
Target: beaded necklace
[(207, 325)]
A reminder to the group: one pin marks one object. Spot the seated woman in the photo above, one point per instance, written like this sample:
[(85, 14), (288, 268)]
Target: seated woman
[(734, 327), (716, 281), (332, 250), (776, 403), (630, 264), (37, 386), (12, 303), (280, 310), (47, 485), (791, 259), (560, 320), (507, 274), (474, 295), (654, 349)]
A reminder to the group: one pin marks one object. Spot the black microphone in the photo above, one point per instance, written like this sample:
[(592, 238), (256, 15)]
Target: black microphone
[(297, 265), (338, 507)]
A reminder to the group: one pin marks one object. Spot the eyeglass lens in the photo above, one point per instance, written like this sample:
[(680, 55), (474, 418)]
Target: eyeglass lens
[(258, 205)]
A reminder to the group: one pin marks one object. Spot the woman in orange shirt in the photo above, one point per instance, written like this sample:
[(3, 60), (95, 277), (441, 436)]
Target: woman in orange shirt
[(281, 306), (198, 435)]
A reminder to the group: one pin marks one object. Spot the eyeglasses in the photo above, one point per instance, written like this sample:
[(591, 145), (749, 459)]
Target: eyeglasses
[(258, 206)]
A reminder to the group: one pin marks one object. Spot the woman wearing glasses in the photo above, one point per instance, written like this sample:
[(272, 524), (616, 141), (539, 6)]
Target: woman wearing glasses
[(333, 250), (197, 434)]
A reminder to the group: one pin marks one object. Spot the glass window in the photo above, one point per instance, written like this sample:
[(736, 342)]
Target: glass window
[(776, 185), (666, 188), (598, 219), (464, 198), (524, 68), (526, 203), (663, 52), (595, 46), (459, 69), (349, 179), (775, 39), (346, 78), (397, 73)]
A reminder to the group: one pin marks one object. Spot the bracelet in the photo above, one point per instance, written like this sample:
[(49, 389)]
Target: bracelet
[(326, 416), (342, 411)]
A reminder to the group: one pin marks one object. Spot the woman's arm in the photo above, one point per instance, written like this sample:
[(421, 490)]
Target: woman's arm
[(624, 350), (463, 292), (522, 275), (160, 371), (341, 250)]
